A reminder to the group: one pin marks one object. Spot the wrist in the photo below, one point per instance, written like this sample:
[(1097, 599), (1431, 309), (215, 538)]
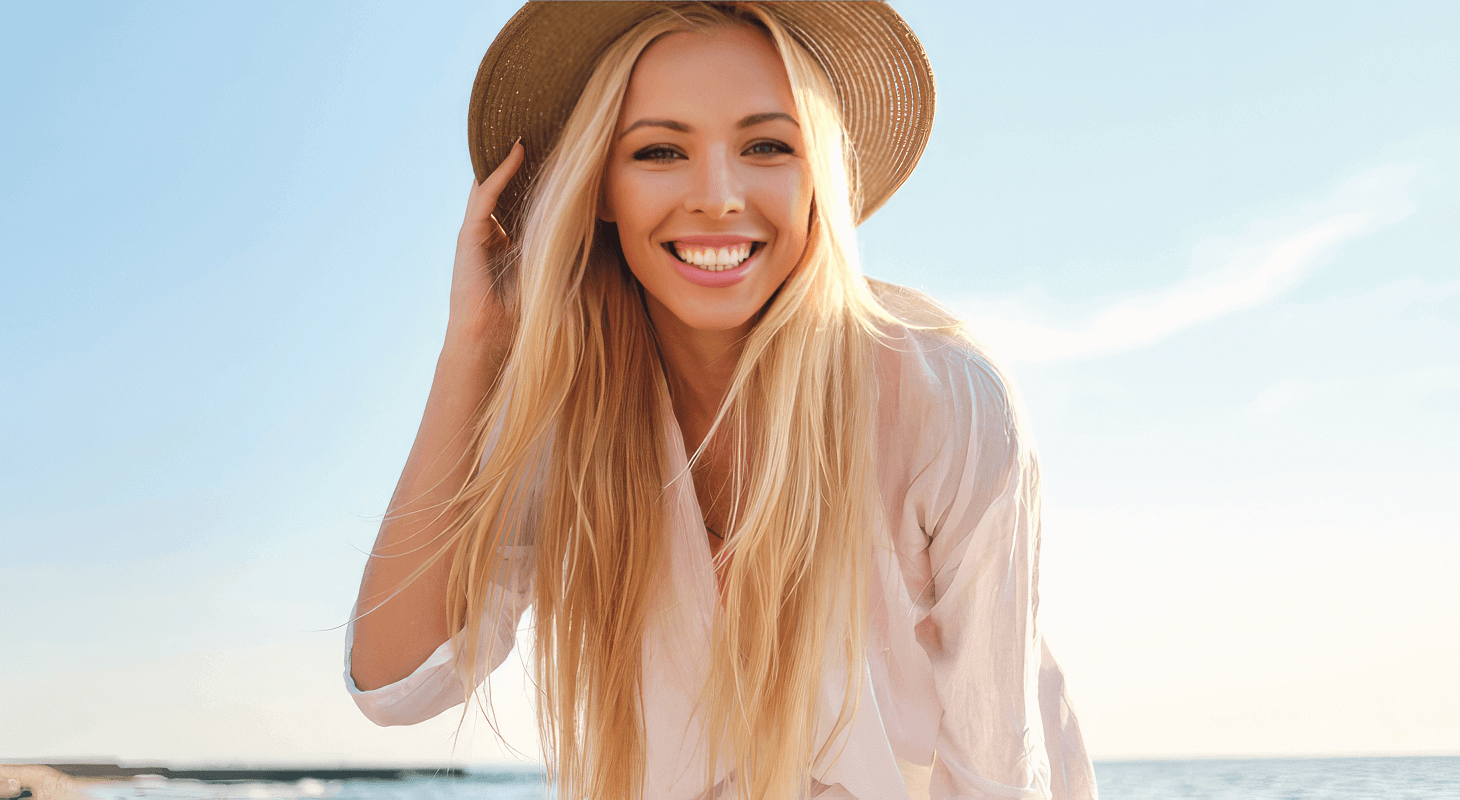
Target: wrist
[(471, 342), (471, 345), (478, 327)]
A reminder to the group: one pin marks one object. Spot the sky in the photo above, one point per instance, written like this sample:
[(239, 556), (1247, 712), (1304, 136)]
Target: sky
[(1216, 246)]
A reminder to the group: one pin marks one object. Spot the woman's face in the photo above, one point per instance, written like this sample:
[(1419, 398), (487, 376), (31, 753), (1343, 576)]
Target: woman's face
[(706, 178)]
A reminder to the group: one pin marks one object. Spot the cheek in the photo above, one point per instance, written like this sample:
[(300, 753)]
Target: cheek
[(637, 203), (615, 196), (636, 218), (788, 205)]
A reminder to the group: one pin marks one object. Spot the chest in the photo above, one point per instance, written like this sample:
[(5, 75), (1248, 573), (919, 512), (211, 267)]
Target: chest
[(712, 473), (714, 489)]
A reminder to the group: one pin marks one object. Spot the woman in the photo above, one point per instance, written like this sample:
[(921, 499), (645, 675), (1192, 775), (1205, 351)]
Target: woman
[(777, 523)]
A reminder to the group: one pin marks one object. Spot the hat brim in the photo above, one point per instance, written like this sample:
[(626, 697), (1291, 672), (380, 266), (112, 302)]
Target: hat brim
[(535, 70)]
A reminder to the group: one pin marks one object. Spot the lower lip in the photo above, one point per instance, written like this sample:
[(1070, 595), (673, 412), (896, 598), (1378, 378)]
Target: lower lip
[(714, 280)]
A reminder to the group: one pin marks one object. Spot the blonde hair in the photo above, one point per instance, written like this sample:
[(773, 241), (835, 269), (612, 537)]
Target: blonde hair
[(571, 447)]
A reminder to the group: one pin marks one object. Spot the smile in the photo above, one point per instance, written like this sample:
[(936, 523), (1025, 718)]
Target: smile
[(711, 258)]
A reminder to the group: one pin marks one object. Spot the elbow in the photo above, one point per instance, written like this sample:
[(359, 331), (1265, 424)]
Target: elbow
[(388, 705), (407, 702)]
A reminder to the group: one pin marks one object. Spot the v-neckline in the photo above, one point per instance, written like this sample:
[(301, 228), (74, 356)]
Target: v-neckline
[(679, 472)]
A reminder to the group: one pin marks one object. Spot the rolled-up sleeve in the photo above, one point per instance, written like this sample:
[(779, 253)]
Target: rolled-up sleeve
[(1006, 729), (440, 681)]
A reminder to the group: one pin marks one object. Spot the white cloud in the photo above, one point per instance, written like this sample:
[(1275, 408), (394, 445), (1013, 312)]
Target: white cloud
[(1401, 392), (1281, 398), (1228, 275)]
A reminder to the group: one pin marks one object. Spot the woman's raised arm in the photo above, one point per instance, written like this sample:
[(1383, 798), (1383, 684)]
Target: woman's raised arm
[(398, 626)]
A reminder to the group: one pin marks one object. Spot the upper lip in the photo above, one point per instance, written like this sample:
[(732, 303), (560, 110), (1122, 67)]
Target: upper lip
[(715, 240)]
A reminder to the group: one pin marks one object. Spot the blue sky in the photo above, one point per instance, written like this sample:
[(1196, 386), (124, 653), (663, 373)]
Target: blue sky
[(1217, 244)]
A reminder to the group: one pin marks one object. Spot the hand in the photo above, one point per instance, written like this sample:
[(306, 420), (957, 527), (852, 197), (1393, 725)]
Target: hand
[(481, 290)]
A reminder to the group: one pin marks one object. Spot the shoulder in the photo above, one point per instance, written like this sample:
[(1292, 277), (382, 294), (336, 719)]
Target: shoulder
[(947, 413), (929, 359)]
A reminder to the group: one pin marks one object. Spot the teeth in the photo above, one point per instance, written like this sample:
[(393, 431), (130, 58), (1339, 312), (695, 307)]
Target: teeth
[(711, 258)]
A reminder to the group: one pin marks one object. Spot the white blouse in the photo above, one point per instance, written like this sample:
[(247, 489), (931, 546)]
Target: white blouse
[(961, 699)]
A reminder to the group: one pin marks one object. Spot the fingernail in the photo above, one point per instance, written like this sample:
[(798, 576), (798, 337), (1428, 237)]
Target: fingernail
[(516, 142)]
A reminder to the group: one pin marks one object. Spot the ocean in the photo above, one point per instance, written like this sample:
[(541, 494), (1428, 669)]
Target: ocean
[(1386, 778)]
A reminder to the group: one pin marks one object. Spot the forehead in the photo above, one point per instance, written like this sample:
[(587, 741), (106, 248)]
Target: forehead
[(728, 71)]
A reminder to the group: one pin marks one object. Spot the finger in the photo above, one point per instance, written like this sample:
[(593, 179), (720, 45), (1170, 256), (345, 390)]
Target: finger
[(482, 200), (494, 183)]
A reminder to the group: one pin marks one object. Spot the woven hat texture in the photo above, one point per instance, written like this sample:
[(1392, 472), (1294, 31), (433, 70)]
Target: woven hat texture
[(535, 70)]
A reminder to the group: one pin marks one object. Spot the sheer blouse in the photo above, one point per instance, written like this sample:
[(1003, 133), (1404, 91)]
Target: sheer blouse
[(961, 697)]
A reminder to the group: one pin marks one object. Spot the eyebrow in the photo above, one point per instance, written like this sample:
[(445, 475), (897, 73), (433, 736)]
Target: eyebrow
[(756, 119), (675, 125)]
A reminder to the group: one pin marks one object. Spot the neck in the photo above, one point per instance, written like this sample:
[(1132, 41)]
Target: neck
[(698, 365)]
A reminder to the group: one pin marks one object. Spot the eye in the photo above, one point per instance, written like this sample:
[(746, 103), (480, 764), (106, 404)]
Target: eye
[(769, 147), (658, 152)]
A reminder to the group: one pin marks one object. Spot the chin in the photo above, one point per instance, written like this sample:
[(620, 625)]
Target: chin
[(714, 319)]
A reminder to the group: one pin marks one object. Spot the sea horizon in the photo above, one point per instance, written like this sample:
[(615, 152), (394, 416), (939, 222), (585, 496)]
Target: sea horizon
[(489, 765), (1424, 776)]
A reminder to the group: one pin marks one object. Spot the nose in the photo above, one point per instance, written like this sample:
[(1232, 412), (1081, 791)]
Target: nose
[(715, 190)]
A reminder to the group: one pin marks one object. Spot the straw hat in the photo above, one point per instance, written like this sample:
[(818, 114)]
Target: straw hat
[(533, 73)]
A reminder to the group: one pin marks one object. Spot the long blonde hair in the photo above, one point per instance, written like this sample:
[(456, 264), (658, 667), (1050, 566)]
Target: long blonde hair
[(573, 461)]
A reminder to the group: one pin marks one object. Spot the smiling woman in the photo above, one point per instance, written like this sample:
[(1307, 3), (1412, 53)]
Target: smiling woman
[(778, 524)]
